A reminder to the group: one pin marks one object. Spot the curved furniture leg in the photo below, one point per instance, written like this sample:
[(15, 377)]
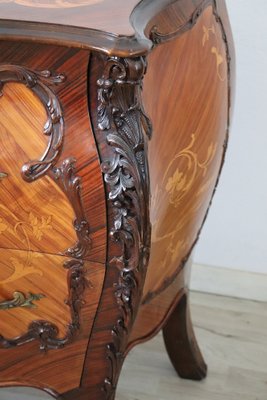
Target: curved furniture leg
[(181, 343)]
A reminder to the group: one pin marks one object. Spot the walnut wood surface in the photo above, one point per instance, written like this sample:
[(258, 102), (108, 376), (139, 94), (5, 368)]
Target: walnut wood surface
[(187, 93), (31, 218), (129, 33), (56, 370), (153, 315), (217, 113), (73, 98), (181, 343), (44, 276), (22, 138), (187, 146)]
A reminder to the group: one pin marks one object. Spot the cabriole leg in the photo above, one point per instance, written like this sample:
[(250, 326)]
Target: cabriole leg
[(181, 343)]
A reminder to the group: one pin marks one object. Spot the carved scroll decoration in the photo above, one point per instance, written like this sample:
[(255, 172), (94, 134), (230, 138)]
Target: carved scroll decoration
[(121, 114), (40, 82), (65, 175), (43, 331), (159, 37), (70, 184), (47, 333)]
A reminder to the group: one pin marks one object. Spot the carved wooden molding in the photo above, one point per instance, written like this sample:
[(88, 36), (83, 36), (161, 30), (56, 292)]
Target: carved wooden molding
[(159, 37), (47, 333), (70, 184), (121, 114), (43, 331), (39, 82)]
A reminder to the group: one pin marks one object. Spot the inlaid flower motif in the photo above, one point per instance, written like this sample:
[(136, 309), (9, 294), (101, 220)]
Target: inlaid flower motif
[(39, 226), (33, 228), (206, 34), (176, 183), (219, 57), (209, 34)]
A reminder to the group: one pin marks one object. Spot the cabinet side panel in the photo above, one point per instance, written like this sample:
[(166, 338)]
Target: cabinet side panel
[(188, 92), (189, 110)]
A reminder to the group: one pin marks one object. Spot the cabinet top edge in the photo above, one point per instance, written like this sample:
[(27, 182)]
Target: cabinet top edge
[(124, 35)]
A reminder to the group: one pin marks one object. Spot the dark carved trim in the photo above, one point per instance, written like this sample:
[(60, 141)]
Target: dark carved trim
[(47, 333), (158, 37), (70, 183), (121, 114), (39, 82), (43, 331), (169, 280)]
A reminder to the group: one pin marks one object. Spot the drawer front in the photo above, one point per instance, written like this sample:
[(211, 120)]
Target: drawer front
[(52, 215), (35, 216), (39, 284)]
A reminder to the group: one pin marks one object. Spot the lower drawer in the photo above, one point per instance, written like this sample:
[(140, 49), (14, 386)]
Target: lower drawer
[(33, 286)]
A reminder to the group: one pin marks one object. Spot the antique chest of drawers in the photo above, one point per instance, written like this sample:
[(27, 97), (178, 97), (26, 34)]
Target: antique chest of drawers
[(114, 120)]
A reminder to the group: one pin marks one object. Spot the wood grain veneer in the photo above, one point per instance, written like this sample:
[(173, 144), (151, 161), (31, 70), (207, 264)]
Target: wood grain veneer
[(188, 182), (189, 141), (22, 124), (44, 276), (56, 370), (139, 107), (31, 218)]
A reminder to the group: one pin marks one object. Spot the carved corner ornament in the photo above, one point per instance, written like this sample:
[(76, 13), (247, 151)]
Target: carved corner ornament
[(126, 175), (40, 83), (46, 333)]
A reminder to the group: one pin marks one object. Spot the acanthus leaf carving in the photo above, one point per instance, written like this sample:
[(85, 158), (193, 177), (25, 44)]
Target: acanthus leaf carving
[(121, 115)]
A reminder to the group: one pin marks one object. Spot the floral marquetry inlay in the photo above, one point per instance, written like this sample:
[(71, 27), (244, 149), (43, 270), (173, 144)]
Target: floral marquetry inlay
[(44, 233), (187, 148), (210, 37), (35, 227), (183, 171), (180, 182)]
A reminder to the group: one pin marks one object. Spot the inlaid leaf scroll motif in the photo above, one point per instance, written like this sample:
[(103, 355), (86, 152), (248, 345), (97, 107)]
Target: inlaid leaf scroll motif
[(42, 83)]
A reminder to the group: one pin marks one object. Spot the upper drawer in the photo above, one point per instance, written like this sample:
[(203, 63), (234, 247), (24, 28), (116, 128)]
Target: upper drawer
[(44, 123), (34, 216)]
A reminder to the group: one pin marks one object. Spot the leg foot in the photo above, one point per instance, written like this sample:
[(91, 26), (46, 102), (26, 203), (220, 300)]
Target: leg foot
[(181, 343)]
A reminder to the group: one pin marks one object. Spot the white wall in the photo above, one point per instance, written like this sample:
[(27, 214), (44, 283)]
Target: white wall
[(235, 234)]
